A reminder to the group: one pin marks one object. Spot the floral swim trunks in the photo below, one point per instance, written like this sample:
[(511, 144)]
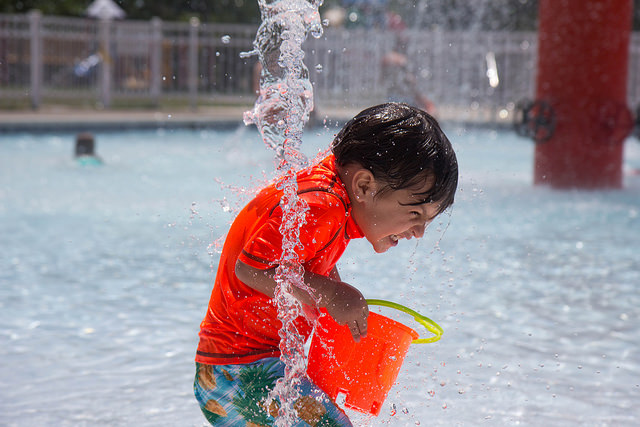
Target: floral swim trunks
[(236, 395)]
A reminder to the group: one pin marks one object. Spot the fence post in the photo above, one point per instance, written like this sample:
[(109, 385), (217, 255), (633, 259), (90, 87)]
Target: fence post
[(193, 62), (156, 60), (35, 24), (106, 70)]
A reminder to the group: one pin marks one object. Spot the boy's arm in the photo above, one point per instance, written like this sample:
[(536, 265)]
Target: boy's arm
[(334, 274), (343, 302)]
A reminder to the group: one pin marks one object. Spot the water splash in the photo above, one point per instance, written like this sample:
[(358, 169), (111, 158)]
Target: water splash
[(286, 95), (280, 113)]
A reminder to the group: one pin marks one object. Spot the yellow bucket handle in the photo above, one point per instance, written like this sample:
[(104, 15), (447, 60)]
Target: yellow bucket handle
[(429, 324)]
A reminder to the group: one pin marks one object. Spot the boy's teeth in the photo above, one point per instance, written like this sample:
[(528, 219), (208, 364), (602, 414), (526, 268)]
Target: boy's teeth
[(394, 237)]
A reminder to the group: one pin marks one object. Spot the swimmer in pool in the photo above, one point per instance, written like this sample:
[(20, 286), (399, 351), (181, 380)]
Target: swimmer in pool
[(85, 150)]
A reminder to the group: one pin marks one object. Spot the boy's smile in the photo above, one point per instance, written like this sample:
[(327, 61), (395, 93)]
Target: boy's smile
[(391, 218)]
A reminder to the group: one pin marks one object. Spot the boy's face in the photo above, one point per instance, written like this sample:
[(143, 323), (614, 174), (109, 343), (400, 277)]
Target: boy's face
[(390, 216)]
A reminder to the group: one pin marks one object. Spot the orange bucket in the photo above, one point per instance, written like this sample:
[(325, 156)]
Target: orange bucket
[(364, 371)]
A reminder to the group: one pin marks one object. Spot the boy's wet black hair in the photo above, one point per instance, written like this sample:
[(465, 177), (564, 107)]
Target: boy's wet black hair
[(401, 145)]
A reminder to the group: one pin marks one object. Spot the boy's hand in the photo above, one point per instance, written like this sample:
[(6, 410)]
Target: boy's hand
[(348, 307)]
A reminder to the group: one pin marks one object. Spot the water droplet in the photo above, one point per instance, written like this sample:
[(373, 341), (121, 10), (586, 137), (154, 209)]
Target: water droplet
[(226, 39), (319, 68), (393, 411), (248, 54), (316, 31), (34, 324)]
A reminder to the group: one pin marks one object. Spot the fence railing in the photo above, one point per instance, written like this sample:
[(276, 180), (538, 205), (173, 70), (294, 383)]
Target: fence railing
[(53, 59)]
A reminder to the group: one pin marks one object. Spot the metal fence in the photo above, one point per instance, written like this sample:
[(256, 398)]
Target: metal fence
[(45, 59)]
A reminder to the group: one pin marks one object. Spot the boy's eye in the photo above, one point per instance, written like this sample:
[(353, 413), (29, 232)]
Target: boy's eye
[(414, 213)]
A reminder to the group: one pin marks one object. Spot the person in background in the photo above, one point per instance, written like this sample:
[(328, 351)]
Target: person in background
[(85, 150), (391, 171), (400, 82)]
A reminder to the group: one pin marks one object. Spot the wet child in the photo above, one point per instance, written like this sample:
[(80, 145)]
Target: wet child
[(391, 171), (85, 147)]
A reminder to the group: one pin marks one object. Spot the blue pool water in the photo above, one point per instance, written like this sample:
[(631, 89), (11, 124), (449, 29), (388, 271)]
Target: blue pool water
[(106, 271)]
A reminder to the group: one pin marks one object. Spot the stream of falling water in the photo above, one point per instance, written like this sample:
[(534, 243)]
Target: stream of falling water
[(280, 113)]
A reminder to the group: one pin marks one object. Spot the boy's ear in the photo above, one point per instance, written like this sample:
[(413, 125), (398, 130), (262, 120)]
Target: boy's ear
[(364, 185)]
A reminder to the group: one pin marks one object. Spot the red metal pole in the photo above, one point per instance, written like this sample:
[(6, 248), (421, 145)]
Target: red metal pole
[(583, 57)]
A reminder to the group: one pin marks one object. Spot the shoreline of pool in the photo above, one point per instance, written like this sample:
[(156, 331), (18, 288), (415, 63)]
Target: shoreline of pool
[(73, 119), (67, 119)]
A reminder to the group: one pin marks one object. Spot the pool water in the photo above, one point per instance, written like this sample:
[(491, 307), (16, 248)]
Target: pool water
[(106, 272)]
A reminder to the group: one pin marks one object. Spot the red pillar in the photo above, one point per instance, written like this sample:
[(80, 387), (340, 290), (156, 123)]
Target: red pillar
[(583, 56)]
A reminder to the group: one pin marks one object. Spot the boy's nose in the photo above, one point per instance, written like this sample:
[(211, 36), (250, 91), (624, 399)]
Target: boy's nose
[(418, 230)]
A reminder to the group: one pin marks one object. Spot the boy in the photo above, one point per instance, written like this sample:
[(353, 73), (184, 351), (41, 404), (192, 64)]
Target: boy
[(391, 172)]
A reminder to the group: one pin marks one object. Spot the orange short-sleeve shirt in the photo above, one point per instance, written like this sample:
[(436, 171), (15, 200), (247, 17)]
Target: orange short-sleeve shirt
[(241, 324)]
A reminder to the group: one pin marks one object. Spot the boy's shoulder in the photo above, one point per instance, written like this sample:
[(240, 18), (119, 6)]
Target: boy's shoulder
[(322, 182)]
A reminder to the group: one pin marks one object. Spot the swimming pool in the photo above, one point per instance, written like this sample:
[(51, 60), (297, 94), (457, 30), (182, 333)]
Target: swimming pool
[(106, 272)]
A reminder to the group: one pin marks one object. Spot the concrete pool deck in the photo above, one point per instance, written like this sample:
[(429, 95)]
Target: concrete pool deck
[(76, 119), (64, 119)]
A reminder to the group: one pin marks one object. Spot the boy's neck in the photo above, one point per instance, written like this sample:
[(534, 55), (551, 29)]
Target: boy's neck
[(346, 174)]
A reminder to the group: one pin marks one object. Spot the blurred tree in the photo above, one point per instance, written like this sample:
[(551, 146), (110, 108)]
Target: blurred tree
[(505, 15), (58, 7), (508, 15), (229, 11)]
